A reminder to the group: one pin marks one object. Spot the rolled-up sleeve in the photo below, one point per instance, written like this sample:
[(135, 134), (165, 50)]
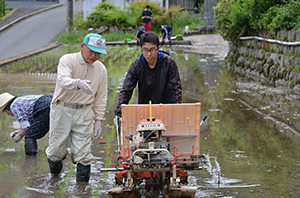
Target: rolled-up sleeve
[(21, 115), (24, 124)]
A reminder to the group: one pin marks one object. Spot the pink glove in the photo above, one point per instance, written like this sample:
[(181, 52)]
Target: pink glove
[(98, 129), (83, 85), (15, 136)]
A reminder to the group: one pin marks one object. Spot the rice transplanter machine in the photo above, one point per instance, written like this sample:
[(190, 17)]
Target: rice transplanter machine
[(157, 152)]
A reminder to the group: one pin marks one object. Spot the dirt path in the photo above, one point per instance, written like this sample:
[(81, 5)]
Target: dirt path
[(208, 40), (207, 44)]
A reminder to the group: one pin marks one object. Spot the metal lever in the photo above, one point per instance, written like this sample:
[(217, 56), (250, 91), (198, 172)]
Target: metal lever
[(203, 119)]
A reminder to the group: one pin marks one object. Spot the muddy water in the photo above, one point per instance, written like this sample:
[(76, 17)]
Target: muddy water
[(250, 139)]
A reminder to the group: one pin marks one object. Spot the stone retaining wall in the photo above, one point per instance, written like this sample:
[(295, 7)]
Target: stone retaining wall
[(275, 61)]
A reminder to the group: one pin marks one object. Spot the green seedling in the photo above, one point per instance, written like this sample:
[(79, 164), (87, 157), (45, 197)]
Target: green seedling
[(27, 181), (62, 187), (96, 192), (71, 169), (18, 157)]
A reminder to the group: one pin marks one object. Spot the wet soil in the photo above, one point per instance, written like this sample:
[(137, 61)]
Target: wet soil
[(251, 150)]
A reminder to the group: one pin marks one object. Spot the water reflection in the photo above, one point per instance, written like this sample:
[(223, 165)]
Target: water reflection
[(251, 148)]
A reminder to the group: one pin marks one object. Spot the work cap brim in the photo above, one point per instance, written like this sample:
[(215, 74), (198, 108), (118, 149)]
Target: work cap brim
[(5, 98), (95, 42)]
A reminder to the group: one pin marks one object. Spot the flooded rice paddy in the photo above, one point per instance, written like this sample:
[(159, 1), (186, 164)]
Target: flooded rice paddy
[(251, 140)]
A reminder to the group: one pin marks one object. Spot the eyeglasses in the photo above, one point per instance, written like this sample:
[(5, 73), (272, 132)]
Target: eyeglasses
[(152, 50)]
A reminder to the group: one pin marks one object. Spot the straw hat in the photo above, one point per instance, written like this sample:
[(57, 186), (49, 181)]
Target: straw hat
[(5, 98)]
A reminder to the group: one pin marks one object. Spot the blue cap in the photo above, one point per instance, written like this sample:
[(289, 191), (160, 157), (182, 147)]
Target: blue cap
[(95, 42)]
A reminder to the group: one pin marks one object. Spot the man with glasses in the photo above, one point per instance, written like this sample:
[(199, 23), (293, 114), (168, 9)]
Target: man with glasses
[(79, 98), (155, 73)]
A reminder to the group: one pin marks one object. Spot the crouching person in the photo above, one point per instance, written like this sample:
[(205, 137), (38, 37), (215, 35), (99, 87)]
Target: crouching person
[(32, 113), (79, 98)]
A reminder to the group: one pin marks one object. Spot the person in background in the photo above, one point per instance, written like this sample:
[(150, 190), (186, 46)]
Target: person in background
[(155, 73), (167, 33), (32, 113), (141, 30), (79, 98), (147, 16)]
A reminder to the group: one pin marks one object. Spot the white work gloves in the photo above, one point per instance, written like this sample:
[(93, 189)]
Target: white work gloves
[(15, 136), (83, 85), (98, 129)]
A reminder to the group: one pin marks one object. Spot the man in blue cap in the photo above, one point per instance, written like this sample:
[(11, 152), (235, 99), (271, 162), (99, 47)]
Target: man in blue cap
[(79, 98)]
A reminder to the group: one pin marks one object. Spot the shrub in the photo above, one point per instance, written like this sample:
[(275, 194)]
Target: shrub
[(167, 17), (109, 15), (2, 7), (287, 17), (235, 18), (187, 18), (79, 22)]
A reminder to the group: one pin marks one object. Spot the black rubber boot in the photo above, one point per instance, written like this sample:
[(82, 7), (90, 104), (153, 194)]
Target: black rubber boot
[(55, 167), (83, 173), (30, 146)]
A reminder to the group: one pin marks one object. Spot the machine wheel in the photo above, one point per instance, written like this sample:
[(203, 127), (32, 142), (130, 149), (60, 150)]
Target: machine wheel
[(183, 180), (197, 157), (137, 181), (119, 181)]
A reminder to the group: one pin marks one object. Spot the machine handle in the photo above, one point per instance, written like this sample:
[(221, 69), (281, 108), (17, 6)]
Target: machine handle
[(203, 119), (177, 156), (122, 153)]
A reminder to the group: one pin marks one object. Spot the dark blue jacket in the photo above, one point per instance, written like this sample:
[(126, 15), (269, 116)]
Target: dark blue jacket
[(146, 13), (166, 29), (160, 85), (140, 28)]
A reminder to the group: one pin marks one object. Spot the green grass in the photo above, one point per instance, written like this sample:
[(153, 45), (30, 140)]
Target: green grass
[(118, 36), (78, 36), (72, 37), (6, 12)]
